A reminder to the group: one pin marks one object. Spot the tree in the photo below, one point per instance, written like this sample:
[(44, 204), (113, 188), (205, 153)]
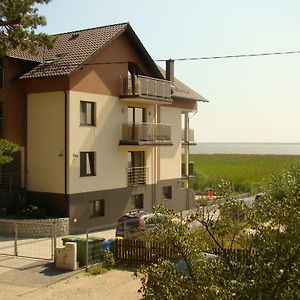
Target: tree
[(268, 234), (7, 148), (19, 20)]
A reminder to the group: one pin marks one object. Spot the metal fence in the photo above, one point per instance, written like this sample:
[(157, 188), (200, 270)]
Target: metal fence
[(32, 240)]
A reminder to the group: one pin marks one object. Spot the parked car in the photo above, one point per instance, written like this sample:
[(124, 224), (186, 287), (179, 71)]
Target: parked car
[(137, 222)]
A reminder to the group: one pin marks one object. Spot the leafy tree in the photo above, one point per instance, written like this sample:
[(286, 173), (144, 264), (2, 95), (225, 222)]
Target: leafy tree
[(19, 20), (267, 234), (7, 148)]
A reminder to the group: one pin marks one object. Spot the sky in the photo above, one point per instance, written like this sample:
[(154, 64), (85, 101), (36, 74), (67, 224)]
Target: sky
[(251, 99)]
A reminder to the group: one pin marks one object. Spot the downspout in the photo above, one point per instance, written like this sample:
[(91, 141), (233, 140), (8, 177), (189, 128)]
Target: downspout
[(154, 198)]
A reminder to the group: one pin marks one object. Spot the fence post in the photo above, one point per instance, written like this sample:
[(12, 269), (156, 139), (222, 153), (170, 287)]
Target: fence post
[(16, 239), (87, 250), (53, 240)]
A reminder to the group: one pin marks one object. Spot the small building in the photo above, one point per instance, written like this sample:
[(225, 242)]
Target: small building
[(102, 128)]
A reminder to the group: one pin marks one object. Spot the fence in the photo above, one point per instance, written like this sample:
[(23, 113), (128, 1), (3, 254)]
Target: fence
[(142, 251), (25, 239)]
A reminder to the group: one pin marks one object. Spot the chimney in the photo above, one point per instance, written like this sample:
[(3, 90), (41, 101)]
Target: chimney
[(170, 70)]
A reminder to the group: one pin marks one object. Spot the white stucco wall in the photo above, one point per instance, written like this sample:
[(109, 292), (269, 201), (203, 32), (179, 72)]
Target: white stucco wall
[(103, 139), (45, 142)]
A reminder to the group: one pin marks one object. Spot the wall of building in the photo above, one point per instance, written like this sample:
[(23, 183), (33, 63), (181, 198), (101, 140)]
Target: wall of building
[(46, 142), (102, 77), (170, 157)]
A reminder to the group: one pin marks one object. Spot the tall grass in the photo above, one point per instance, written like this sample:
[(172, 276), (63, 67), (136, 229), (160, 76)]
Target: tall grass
[(246, 172)]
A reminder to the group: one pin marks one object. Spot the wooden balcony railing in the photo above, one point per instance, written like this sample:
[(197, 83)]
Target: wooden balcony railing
[(137, 175), (143, 86)]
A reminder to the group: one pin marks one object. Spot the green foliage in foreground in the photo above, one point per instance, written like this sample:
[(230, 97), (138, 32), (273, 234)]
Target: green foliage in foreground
[(271, 227), (19, 20), (246, 172), (7, 148)]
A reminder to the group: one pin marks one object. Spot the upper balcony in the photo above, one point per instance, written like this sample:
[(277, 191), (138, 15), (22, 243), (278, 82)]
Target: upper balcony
[(145, 88), (146, 134), (187, 138)]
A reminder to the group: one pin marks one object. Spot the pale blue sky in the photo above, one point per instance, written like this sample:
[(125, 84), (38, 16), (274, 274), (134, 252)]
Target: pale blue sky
[(251, 99)]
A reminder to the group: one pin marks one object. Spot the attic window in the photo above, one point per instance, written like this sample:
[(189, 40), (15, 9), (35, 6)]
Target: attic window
[(74, 36)]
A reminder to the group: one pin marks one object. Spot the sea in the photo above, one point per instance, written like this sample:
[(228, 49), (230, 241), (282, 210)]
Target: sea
[(246, 148)]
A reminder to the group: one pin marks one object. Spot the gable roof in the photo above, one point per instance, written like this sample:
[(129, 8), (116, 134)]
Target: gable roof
[(73, 49), (181, 90)]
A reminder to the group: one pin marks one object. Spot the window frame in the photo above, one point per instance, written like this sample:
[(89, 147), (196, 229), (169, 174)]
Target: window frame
[(135, 199), (83, 111), (97, 208), (83, 158), (167, 192)]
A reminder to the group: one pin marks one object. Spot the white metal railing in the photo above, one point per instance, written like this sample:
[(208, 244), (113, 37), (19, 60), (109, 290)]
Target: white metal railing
[(150, 132), (146, 86), (187, 137), (137, 175)]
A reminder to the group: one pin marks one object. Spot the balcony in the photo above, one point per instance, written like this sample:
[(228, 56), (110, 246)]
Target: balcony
[(147, 88), (137, 176), (11, 181), (191, 173), (146, 134), (188, 138)]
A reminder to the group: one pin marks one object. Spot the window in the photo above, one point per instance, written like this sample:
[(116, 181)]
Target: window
[(167, 192), (87, 113), (138, 201), (87, 164), (98, 208), (1, 74)]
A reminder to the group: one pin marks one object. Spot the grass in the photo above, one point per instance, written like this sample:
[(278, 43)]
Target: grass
[(246, 172)]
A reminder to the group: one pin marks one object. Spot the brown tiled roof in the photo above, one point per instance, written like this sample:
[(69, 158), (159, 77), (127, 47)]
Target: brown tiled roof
[(70, 51), (180, 90)]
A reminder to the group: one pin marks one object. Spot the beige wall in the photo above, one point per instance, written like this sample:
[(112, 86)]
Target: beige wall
[(45, 142), (170, 157), (111, 159)]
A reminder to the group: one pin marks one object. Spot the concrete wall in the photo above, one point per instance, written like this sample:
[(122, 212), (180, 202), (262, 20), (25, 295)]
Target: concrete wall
[(45, 141)]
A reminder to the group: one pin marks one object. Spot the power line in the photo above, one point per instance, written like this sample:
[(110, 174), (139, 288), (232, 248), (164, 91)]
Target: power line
[(233, 56), (56, 64)]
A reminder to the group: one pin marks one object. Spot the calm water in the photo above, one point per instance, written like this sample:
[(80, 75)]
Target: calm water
[(246, 148)]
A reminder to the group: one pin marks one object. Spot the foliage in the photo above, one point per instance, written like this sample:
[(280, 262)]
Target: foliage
[(246, 172), (270, 228), (7, 148), (97, 269), (109, 260), (107, 264), (19, 20)]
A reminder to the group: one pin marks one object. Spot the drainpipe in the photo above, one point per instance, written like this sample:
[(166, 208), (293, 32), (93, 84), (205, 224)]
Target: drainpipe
[(154, 198)]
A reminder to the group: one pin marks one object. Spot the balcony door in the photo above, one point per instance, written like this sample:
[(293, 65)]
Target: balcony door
[(136, 114), (136, 159), (136, 167)]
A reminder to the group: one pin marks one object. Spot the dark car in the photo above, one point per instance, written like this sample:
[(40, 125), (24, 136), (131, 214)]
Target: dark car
[(137, 222)]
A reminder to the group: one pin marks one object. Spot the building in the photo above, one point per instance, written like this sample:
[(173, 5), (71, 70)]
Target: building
[(100, 127)]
